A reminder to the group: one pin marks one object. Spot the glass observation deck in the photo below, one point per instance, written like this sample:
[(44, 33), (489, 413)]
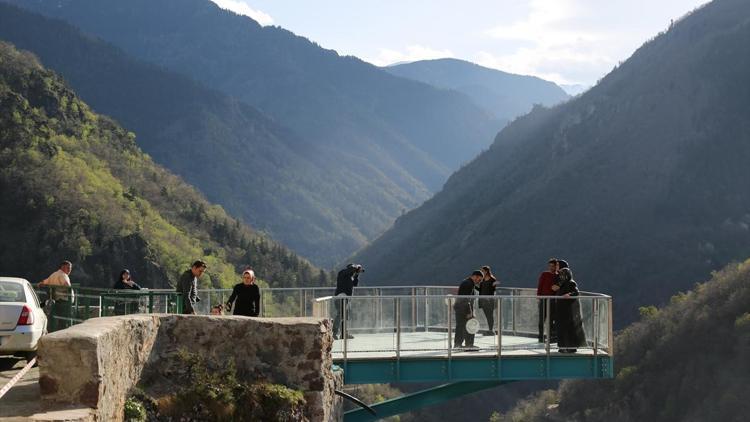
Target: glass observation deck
[(399, 334)]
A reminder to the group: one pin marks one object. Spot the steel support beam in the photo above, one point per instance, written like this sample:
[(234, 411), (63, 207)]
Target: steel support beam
[(419, 400)]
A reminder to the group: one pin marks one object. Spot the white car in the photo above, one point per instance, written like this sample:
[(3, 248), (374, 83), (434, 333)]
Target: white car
[(22, 319)]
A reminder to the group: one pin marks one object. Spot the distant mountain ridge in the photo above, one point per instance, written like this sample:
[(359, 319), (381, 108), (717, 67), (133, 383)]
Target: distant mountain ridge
[(392, 141), (77, 187), (231, 151), (640, 182), (504, 95)]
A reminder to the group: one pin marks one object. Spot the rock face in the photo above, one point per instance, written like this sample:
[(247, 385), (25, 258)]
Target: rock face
[(96, 363)]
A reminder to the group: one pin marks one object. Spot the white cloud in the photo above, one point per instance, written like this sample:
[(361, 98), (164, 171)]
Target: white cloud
[(410, 53), (242, 8), (575, 41)]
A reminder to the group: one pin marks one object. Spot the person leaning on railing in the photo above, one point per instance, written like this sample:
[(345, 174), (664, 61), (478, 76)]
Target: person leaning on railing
[(187, 285), (125, 282), (62, 295)]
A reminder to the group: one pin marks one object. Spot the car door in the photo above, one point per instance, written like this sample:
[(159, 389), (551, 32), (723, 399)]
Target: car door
[(40, 318)]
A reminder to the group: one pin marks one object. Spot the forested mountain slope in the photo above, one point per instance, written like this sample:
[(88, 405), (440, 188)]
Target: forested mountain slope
[(504, 95), (393, 141), (641, 182), (75, 186), (687, 362), (254, 167)]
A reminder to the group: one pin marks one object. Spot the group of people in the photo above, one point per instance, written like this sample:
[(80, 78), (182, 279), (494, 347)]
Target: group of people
[(245, 297), (559, 311), (561, 314), (560, 319)]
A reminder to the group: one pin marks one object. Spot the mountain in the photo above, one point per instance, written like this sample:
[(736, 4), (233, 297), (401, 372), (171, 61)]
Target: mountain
[(689, 361), (641, 182), (75, 186), (390, 140), (256, 168), (504, 95)]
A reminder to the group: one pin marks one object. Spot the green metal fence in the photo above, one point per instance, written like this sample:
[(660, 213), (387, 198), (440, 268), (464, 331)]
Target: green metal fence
[(66, 306)]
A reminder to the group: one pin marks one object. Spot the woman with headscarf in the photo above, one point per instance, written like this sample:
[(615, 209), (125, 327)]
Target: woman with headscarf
[(487, 287), (245, 296), (569, 323)]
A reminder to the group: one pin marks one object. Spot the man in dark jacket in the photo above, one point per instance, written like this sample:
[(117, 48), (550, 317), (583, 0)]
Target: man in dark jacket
[(462, 307), (346, 281), (188, 286)]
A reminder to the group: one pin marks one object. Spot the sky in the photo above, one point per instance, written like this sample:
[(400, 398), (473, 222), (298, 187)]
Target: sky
[(565, 41)]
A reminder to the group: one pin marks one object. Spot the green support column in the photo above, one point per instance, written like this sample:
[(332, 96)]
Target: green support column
[(418, 400)]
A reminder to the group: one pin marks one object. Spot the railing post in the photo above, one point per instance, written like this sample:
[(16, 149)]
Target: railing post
[(513, 311), (595, 318), (398, 328), (379, 310), (499, 322), (301, 304), (610, 335), (414, 309), (344, 325), (450, 328), (150, 302), (547, 324), (426, 311)]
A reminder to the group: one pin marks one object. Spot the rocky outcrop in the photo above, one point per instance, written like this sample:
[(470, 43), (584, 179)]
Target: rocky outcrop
[(97, 363)]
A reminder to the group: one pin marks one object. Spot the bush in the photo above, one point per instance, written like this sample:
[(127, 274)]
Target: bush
[(134, 410), (205, 394)]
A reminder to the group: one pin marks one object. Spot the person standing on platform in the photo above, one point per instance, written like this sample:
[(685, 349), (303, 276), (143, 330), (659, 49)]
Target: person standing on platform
[(570, 334), (346, 280), (125, 282), (245, 296), (547, 287), (463, 308), (188, 286), (61, 294), (487, 288)]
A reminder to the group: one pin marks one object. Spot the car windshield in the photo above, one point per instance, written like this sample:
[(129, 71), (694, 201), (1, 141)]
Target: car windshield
[(11, 292)]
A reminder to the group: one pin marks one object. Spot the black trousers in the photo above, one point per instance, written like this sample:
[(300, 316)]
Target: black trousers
[(338, 320), (489, 314), (542, 318), (461, 334)]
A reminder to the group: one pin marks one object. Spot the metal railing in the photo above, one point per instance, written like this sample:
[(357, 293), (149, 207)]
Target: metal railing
[(390, 315), (73, 305), (410, 325)]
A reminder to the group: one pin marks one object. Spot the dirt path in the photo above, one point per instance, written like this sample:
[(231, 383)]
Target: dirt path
[(22, 400)]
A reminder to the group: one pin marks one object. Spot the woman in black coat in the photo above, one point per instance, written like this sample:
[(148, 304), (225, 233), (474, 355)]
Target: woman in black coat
[(487, 288), (570, 333), (125, 305)]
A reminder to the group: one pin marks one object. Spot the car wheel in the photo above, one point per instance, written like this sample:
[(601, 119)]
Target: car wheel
[(7, 363)]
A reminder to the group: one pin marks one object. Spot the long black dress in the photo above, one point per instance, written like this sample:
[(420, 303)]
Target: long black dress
[(568, 315)]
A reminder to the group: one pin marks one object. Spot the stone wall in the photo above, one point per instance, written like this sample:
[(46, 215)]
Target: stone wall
[(96, 363)]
